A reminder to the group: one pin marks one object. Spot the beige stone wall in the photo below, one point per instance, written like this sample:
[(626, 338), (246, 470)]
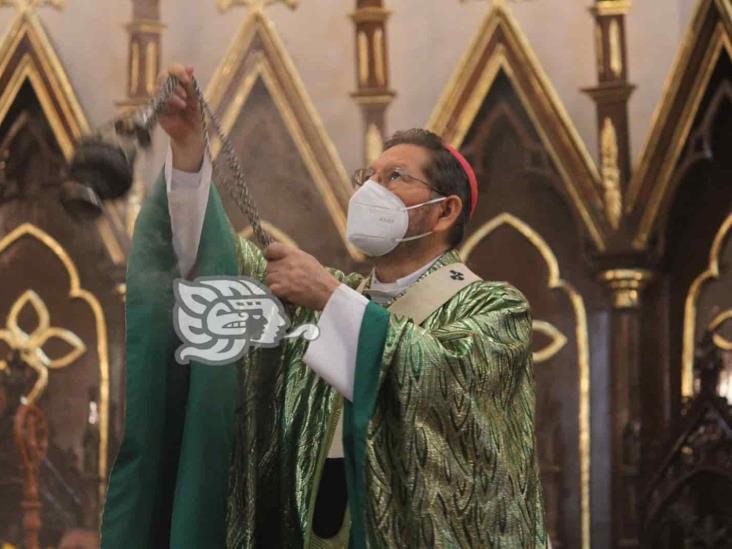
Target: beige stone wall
[(427, 39)]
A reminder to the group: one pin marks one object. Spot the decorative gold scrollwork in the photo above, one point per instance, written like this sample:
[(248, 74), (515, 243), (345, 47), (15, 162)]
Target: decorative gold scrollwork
[(30, 345), (611, 172), (557, 341), (725, 317)]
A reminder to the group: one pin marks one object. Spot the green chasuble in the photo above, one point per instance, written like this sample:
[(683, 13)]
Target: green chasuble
[(439, 439), (169, 483)]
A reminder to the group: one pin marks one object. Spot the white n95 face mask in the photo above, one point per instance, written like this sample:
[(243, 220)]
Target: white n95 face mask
[(378, 219)]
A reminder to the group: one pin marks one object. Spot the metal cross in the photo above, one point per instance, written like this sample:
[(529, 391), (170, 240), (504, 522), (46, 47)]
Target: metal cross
[(30, 5), (254, 5)]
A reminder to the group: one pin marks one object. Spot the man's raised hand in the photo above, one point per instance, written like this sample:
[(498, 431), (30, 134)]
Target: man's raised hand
[(181, 120)]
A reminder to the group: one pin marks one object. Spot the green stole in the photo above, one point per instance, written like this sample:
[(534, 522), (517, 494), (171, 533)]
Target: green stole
[(439, 287), (169, 484), (357, 414)]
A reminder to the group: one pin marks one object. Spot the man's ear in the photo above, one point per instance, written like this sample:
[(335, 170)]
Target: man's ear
[(451, 210)]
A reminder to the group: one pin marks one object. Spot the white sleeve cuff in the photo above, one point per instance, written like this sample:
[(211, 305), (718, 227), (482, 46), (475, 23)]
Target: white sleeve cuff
[(333, 355), (187, 202), (178, 179)]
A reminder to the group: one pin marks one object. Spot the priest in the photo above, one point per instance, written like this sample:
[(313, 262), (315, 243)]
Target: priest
[(408, 423)]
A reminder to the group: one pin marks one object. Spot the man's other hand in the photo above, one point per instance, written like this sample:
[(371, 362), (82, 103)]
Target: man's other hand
[(298, 277)]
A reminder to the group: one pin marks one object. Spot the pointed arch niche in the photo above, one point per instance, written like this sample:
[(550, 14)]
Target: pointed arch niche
[(295, 173)]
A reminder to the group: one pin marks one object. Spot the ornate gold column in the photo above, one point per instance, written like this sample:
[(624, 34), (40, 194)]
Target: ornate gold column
[(145, 31), (626, 286), (372, 74), (611, 98)]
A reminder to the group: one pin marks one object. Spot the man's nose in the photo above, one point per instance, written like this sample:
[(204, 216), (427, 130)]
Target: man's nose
[(377, 178)]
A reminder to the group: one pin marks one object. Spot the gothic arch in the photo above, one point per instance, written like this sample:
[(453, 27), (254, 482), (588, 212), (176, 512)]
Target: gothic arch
[(707, 42), (500, 47)]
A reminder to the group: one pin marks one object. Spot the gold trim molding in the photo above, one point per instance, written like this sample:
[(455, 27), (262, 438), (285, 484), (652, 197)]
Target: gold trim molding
[(616, 56), (362, 46), (277, 71), (718, 339), (363, 97), (77, 292), (626, 286), (611, 7), (370, 15), (471, 83), (581, 333), (146, 26), (690, 306)]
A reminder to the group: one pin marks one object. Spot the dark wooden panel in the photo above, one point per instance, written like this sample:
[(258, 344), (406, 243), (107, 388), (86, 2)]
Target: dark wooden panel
[(33, 169)]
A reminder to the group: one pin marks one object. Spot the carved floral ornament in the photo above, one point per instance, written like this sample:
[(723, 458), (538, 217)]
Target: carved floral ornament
[(30, 345)]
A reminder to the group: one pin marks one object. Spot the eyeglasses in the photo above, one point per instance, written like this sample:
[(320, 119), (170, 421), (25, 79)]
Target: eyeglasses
[(388, 176)]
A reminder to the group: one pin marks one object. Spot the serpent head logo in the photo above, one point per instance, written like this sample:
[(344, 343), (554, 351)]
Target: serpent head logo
[(217, 318)]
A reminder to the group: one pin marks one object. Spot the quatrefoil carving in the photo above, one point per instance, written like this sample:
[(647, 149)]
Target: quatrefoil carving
[(30, 346)]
